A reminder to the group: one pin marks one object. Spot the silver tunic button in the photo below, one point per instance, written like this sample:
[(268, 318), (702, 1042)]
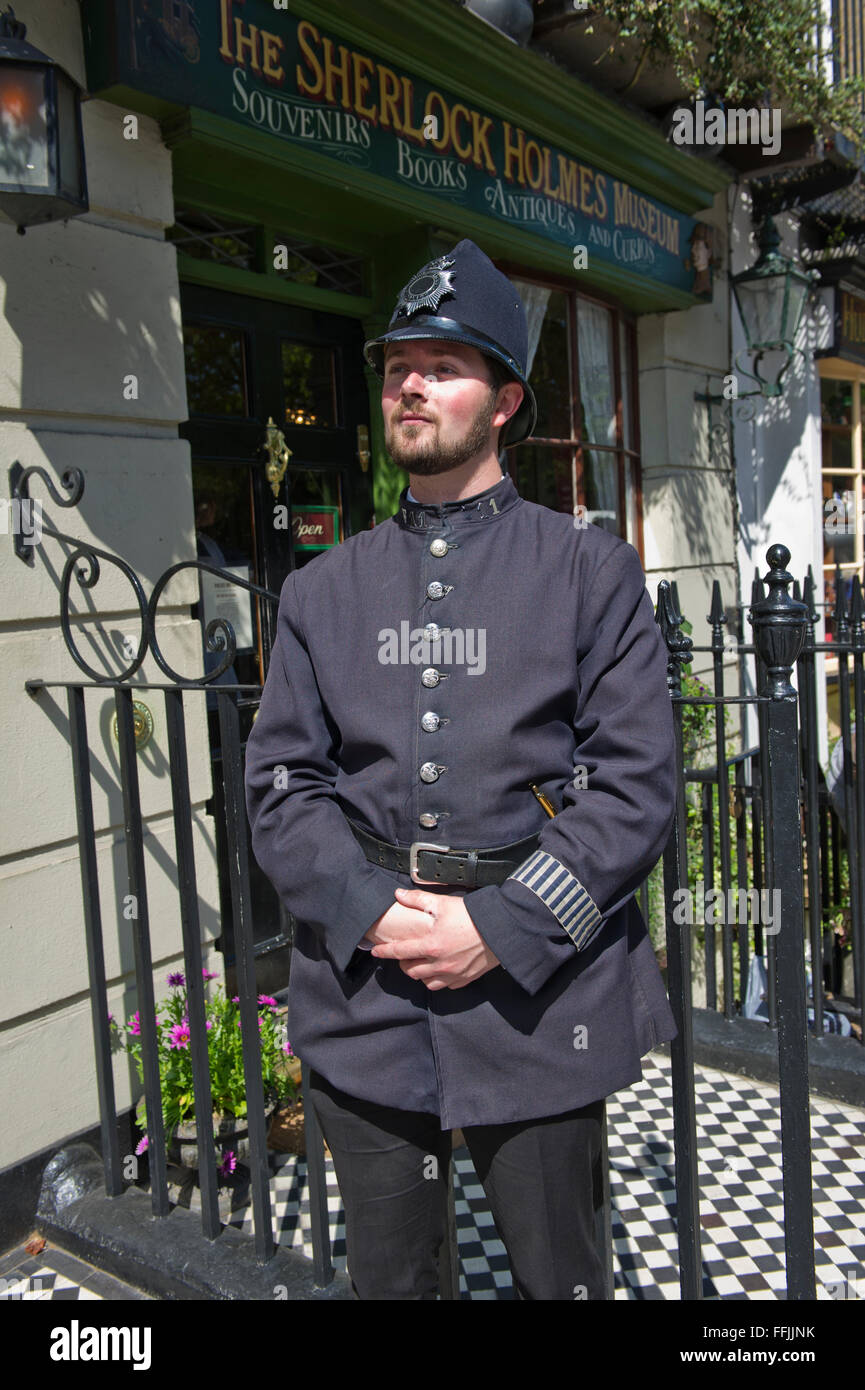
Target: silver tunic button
[(430, 722), (430, 677), (438, 547), (428, 819), (435, 589), (429, 772)]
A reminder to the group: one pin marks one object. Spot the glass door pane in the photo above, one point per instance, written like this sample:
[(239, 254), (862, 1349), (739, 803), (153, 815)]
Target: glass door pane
[(309, 385), (317, 507), (224, 535), (215, 357)]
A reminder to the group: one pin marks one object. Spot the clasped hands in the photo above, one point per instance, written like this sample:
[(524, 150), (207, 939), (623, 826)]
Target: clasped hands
[(433, 938)]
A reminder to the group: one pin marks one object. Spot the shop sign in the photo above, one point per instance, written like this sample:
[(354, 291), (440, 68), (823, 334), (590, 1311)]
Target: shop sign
[(315, 528), (222, 599), (256, 63)]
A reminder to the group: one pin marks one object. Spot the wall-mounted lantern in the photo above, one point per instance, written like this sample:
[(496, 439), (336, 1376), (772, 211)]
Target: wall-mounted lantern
[(771, 297), (42, 171)]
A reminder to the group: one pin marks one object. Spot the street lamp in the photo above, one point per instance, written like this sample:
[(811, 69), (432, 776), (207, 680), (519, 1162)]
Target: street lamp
[(42, 171), (771, 297)]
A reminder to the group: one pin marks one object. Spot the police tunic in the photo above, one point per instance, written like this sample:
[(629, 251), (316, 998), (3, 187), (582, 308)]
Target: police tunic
[(548, 668)]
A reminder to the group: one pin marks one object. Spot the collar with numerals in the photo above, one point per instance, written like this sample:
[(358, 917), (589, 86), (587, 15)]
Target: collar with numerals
[(483, 506)]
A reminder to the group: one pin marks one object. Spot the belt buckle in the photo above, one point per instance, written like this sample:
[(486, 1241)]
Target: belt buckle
[(414, 850)]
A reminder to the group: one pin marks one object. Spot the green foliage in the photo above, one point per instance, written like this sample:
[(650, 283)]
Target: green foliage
[(225, 1053), (698, 736), (740, 50), (698, 721)]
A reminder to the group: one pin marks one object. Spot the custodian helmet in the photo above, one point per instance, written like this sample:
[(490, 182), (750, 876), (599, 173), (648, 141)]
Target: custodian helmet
[(481, 308)]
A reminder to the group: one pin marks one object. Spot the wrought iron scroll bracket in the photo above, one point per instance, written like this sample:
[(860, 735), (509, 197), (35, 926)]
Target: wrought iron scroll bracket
[(72, 480), (720, 432), (219, 633)]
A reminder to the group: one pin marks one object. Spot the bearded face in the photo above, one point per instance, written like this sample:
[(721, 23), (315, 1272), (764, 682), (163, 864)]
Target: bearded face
[(438, 404)]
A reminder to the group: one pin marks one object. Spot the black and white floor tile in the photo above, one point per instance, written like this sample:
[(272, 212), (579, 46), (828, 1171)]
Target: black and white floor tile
[(57, 1276), (741, 1201)]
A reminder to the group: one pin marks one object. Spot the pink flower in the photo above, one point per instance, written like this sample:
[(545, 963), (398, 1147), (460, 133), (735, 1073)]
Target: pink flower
[(142, 1145), (286, 1047), (185, 1022), (179, 1035), (134, 1025), (208, 974), (268, 1001), (228, 1164), (235, 999), (176, 979)]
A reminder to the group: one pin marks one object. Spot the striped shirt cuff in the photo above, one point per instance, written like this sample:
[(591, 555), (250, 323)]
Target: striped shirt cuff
[(563, 894)]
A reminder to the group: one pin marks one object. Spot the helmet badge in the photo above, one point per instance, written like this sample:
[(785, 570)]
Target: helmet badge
[(427, 288)]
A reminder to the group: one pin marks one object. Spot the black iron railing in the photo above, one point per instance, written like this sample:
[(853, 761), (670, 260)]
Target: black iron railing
[(775, 782), (731, 826), (779, 629)]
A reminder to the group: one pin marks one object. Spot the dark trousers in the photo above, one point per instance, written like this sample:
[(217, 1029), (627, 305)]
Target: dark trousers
[(391, 1166)]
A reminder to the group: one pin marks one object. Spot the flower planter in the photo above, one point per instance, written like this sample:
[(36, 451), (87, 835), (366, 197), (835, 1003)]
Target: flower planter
[(286, 1134), (181, 1142)]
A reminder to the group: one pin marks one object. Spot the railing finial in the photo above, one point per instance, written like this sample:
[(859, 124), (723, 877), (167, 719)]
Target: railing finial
[(779, 625), (678, 645)]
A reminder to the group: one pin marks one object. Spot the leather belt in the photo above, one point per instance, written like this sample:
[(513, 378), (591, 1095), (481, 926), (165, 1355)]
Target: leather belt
[(428, 863)]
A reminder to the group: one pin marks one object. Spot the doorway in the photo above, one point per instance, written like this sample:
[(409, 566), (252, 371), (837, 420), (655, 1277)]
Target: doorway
[(259, 373)]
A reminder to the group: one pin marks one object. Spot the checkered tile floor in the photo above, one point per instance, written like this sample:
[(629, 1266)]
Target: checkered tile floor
[(58, 1276), (741, 1204)]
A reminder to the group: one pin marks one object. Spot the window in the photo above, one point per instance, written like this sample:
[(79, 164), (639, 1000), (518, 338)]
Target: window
[(311, 264), (210, 239), (215, 370), (583, 453), (309, 385), (842, 406), (247, 246)]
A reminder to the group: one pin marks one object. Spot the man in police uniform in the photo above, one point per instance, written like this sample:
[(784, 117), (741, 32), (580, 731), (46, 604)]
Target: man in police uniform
[(462, 957)]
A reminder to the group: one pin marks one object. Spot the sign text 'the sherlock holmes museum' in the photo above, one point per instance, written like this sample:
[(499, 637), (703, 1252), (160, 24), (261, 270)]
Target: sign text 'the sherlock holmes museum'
[(264, 67)]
